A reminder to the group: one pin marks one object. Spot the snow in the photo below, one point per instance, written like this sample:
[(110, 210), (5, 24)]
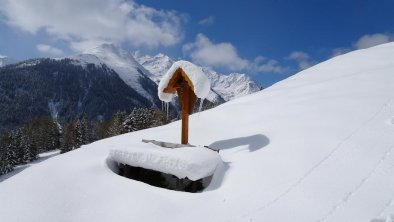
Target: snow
[(223, 87), (231, 86), (318, 146), (41, 157), (192, 162), (200, 82), (121, 61), (156, 65)]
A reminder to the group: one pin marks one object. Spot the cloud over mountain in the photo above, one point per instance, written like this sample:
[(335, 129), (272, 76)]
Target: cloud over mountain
[(81, 22)]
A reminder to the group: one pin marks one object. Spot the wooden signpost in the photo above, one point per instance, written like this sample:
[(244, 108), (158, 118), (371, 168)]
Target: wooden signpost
[(183, 86)]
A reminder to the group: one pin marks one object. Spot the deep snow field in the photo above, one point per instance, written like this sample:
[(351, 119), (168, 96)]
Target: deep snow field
[(318, 146)]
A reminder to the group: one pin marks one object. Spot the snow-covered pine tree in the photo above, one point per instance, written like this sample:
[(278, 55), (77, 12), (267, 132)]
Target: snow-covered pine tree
[(139, 118), (28, 148), (45, 133), (5, 163), (83, 132), (15, 153), (68, 138), (116, 124)]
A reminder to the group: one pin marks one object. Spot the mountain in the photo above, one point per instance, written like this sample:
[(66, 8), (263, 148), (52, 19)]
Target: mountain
[(157, 65), (123, 63), (318, 146), (96, 84), (224, 87), (233, 85), (64, 90), (4, 60)]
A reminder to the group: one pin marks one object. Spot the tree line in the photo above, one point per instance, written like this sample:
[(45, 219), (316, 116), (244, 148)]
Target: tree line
[(22, 145)]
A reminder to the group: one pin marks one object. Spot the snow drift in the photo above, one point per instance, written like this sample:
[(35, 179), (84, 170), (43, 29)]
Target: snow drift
[(192, 162), (318, 146)]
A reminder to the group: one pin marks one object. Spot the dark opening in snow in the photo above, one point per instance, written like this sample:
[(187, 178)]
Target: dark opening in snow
[(163, 180)]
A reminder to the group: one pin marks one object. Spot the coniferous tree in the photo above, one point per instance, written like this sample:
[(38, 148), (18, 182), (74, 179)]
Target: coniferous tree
[(139, 118), (28, 148), (115, 125), (15, 153), (83, 132), (159, 118), (68, 139), (5, 163), (45, 134)]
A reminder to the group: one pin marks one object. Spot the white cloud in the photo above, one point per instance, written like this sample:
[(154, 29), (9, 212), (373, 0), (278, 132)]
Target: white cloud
[(80, 46), (47, 49), (364, 42), (302, 58), (207, 53), (95, 20), (207, 21), (263, 65), (367, 41), (339, 51)]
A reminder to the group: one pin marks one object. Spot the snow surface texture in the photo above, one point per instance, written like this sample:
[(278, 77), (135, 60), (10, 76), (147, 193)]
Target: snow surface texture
[(20, 168), (318, 146), (200, 82), (121, 61), (192, 162), (223, 87)]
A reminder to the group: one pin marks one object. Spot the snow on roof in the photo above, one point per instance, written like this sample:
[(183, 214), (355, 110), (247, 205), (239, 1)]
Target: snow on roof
[(200, 81), (192, 162)]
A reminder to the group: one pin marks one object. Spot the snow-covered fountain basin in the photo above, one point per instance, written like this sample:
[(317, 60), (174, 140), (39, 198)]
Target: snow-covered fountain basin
[(183, 169)]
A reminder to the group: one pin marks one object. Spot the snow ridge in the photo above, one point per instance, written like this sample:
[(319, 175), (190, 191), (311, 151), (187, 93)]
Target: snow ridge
[(122, 62)]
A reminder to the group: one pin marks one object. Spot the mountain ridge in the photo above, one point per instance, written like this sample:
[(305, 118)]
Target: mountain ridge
[(224, 87)]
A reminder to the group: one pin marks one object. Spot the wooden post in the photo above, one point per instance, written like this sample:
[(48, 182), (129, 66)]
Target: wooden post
[(180, 84), (185, 114)]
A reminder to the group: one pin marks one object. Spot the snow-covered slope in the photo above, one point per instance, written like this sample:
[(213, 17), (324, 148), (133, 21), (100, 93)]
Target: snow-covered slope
[(123, 63), (318, 146), (225, 87), (4, 60)]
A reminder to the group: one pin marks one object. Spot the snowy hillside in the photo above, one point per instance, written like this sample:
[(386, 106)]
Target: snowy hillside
[(4, 60), (123, 63), (318, 146), (224, 87)]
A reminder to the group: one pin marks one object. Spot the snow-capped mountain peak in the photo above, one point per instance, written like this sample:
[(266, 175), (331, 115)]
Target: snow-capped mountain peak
[(123, 63), (157, 65), (224, 87)]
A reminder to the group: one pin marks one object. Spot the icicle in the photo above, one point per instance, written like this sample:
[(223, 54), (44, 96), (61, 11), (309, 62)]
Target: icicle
[(167, 108), (200, 107), (201, 102)]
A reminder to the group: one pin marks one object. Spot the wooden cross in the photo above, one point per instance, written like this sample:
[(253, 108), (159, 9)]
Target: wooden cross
[(183, 86)]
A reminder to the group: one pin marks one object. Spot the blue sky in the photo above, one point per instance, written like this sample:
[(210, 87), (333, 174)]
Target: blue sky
[(270, 40)]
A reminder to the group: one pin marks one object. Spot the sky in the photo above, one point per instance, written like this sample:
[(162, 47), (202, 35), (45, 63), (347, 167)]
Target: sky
[(268, 39)]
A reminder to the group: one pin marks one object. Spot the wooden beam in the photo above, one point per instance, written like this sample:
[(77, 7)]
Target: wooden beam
[(183, 86), (185, 114)]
